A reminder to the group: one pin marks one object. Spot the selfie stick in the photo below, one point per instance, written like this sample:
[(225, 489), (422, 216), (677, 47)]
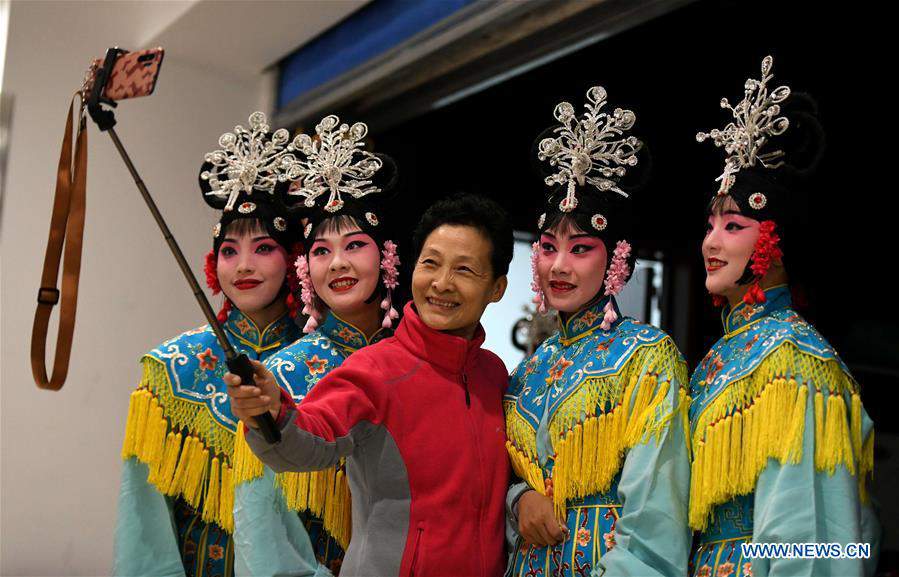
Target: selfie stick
[(238, 364)]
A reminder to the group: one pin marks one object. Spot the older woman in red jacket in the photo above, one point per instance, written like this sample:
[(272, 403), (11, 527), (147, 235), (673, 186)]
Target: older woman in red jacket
[(418, 416)]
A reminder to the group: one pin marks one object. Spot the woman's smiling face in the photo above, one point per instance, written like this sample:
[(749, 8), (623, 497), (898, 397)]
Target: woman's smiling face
[(729, 241), (344, 264), (571, 265)]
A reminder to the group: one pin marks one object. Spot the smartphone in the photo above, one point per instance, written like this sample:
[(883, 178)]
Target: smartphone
[(132, 74)]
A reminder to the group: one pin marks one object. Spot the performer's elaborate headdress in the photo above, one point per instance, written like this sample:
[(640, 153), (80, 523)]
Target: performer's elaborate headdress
[(337, 177), (248, 178), (773, 144), (586, 161)]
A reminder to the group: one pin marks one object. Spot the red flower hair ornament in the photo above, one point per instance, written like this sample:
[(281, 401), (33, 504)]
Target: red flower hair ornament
[(767, 251)]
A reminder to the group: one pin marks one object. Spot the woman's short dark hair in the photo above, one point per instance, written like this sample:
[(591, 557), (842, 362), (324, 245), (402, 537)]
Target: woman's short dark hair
[(473, 210)]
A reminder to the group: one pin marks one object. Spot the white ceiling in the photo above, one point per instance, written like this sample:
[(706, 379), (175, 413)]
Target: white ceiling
[(239, 37)]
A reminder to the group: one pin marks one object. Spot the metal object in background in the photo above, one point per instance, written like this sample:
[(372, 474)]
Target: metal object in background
[(531, 330)]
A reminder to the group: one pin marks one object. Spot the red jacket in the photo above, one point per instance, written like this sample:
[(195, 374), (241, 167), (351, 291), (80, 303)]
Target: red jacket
[(419, 418)]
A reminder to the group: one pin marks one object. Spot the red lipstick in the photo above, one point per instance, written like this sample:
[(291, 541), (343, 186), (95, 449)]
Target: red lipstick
[(713, 264), (342, 284), (247, 284), (561, 286)]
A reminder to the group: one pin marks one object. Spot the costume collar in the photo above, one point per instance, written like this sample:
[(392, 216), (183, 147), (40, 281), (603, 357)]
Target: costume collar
[(347, 335), (280, 332), (776, 298), (448, 352), (586, 321)]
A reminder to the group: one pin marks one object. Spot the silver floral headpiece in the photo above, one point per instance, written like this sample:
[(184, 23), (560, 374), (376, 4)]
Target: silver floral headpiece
[(755, 120), (592, 149), (249, 162), (335, 163)]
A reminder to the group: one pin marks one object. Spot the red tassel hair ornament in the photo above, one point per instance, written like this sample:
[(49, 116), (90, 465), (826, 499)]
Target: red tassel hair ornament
[(767, 251)]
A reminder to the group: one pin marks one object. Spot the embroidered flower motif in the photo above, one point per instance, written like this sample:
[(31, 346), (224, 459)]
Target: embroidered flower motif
[(747, 569), (704, 571), (541, 220), (216, 552), (750, 342), (749, 312), (558, 369), (757, 200), (347, 334), (717, 365), (599, 222), (583, 537), (207, 360), (725, 570), (372, 218), (317, 365), (246, 207), (243, 326), (280, 223), (609, 539), (587, 319), (216, 230), (605, 345), (530, 367)]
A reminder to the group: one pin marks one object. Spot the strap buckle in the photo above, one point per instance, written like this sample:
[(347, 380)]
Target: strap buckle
[(48, 296)]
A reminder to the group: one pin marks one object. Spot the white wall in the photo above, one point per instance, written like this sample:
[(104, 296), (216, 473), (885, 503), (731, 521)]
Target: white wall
[(60, 450)]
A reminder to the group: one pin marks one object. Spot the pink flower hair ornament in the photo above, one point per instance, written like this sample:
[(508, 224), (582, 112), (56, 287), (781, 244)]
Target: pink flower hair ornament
[(389, 262), (616, 278), (539, 298), (307, 296)]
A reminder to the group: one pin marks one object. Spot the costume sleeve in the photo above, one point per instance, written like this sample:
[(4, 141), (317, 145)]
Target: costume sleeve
[(798, 503), (652, 536), (269, 538), (325, 427), (145, 534)]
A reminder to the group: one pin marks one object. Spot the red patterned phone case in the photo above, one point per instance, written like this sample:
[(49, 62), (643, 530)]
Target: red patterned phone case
[(133, 74)]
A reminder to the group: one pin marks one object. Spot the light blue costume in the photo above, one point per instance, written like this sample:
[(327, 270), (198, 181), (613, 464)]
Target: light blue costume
[(316, 502), (782, 446), (596, 419), (176, 496)]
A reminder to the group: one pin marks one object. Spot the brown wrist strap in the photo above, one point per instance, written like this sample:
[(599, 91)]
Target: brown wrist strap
[(66, 232)]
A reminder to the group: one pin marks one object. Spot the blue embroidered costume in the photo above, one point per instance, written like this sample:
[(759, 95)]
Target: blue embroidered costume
[(322, 499), (599, 416), (177, 492), (781, 445)]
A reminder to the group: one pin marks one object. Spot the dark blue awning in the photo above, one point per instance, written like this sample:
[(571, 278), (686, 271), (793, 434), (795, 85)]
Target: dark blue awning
[(367, 33)]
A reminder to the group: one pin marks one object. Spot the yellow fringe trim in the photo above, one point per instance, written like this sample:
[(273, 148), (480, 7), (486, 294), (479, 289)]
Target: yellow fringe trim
[(762, 416), (325, 494), (187, 452), (594, 427)]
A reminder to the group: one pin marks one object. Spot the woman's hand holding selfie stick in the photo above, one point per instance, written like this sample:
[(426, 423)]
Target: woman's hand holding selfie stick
[(261, 396)]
